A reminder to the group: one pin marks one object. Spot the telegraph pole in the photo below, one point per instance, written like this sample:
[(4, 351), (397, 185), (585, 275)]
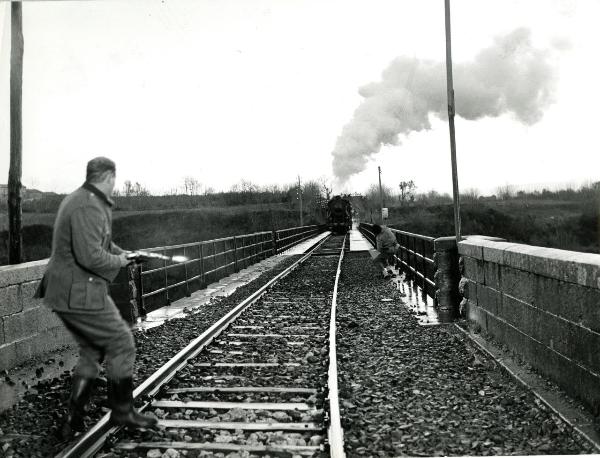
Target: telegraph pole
[(15, 234), (451, 111), (300, 197), (380, 195)]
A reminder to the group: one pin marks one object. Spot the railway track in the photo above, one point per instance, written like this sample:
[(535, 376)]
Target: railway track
[(262, 380)]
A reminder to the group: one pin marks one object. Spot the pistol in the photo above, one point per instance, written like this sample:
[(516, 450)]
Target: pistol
[(145, 256)]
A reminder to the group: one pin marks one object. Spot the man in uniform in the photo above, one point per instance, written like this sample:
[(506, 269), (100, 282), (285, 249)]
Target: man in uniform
[(387, 247), (84, 261)]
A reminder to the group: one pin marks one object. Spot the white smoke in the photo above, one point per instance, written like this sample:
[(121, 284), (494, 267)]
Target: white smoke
[(511, 76)]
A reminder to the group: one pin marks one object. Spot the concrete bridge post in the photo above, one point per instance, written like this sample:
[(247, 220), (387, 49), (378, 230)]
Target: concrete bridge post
[(135, 290), (446, 276)]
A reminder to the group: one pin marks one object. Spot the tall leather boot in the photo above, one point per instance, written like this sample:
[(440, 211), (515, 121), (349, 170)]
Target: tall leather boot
[(80, 394), (120, 400)]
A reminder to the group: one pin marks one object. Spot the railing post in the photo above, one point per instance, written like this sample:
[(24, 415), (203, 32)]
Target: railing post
[(244, 251), (202, 270), (187, 285), (214, 244), (446, 275), (403, 256), (409, 273), (166, 278), (142, 310), (235, 264), (274, 242), (424, 264), (397, 263), (135, 290)]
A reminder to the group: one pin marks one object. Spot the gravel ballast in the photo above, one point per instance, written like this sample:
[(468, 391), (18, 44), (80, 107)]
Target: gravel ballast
[(414, 390), (28, 429), (405, 389)]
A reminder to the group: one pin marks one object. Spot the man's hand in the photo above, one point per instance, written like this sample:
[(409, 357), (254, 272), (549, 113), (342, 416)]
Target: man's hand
[(123, 258)]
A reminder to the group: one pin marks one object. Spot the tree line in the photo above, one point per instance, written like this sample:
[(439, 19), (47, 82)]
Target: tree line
[(133, 196)]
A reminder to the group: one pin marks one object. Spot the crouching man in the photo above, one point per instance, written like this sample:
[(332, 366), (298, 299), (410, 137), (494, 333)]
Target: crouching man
[(387, 247), (84, 261)]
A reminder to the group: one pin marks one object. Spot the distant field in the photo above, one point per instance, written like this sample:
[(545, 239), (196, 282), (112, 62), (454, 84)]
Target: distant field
[(568, 225), (29, 219), (48, 218), (147, 229)]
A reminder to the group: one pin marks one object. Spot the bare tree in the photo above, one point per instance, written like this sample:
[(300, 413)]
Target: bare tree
[(372, 197), (326, 187), (139, 190), (407, 191), (191, 186), (127, 188), (131, 189), (248, 187), (505, 192), (312, 196), (470, 195)]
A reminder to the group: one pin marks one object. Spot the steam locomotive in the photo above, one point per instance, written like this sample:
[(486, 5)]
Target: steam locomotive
[(339, 215)]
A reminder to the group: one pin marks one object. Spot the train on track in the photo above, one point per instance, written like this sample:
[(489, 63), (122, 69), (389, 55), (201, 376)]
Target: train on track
[(339, 215)]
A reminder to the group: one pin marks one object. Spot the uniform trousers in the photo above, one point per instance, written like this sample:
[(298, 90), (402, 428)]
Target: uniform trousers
[(384, 259), (102, 335)]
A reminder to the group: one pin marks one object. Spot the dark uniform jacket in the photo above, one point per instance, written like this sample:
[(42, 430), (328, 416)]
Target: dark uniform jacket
[(84, 260), (386, 241)]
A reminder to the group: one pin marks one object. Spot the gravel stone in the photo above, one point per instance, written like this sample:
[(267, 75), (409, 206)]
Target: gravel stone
[(39, 414), (414, 390)]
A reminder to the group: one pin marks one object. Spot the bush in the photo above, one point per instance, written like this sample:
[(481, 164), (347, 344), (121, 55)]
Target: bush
[(570, 227)]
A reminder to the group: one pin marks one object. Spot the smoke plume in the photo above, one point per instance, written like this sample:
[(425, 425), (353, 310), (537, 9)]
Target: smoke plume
[(511, 76)]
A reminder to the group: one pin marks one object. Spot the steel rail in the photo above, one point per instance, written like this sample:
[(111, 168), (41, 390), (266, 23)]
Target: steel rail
[(91, 441), (335, 432)]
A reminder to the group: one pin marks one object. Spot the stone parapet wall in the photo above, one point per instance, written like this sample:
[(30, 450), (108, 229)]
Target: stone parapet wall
[(27, 327), (543, 304)]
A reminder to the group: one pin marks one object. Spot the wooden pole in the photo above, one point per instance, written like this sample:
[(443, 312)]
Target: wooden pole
[(380, 196), (15, 234), (451, 110), (300, 197)]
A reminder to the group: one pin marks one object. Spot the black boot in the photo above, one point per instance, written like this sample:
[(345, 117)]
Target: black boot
[(120, 400), (80, 394)]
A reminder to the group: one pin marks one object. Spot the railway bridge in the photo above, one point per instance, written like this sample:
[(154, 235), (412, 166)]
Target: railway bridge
[(288, 343)]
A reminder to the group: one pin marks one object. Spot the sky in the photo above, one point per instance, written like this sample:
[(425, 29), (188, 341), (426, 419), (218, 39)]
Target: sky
[(269, 90)]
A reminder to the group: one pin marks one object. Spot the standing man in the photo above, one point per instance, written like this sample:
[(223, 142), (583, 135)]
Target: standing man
[(83, 262), (387, 247)]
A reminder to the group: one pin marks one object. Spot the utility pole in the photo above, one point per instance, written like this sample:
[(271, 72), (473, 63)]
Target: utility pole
[(451, 110), (380, 196), (15, 233), (300, 197)]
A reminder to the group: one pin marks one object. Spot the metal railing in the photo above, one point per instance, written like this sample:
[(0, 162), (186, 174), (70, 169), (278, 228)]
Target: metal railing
[(415, 256), (158, 283), (287, 238)]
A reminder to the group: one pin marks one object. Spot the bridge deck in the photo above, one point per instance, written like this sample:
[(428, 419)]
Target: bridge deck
[(223, 287), (303, 246), (358, 242), (445, 379)]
